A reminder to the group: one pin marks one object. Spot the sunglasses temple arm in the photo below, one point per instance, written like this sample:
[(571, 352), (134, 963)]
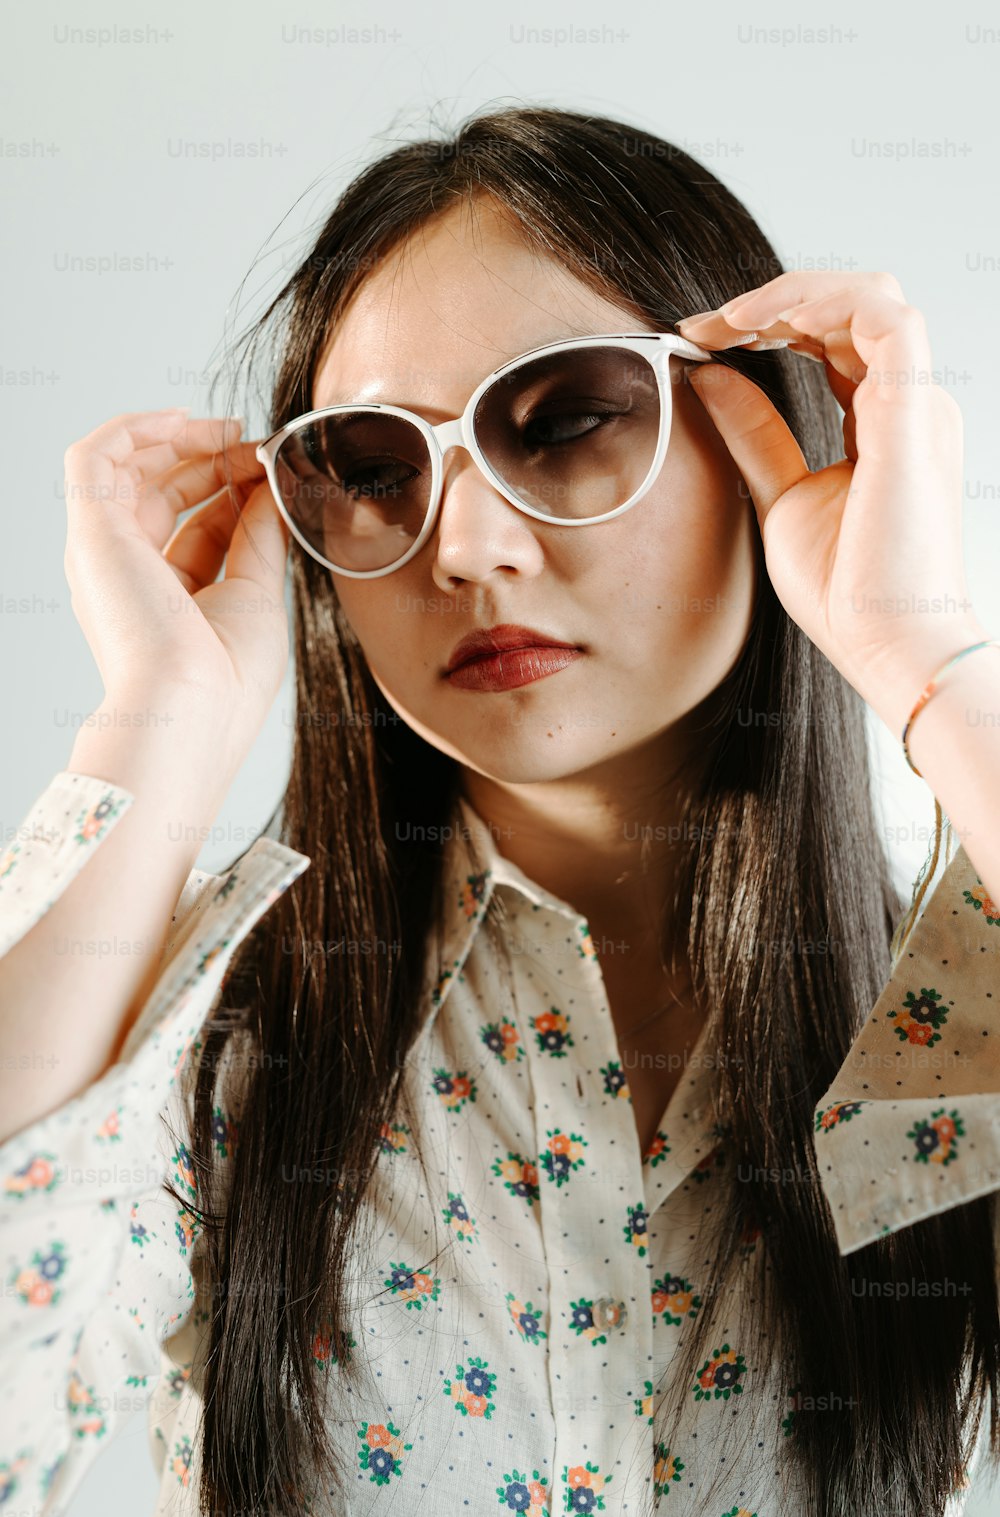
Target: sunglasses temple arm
[(685, 349)]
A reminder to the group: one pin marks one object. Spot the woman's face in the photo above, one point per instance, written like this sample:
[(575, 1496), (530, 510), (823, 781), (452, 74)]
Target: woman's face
[(657, 601)]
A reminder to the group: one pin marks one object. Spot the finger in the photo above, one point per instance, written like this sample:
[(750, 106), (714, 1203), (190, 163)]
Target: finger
[(807, 347), (714, 331), (116, 440), (762, 309), (198, 548), (91, 462), (253, 585), (846, 368), (890, 339), (839, 357), (760, 441), (850, 435), (835, 346), (763, 305), (259, 548), (97, 466), (160, 501), (205, 434), (148, 463), (843, 366)]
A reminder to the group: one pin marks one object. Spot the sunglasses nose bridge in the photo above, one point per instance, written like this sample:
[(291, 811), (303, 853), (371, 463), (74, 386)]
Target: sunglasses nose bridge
[(449, 435)]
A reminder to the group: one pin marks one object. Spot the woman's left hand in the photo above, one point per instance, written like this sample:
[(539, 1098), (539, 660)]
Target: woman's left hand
[(865, 554)]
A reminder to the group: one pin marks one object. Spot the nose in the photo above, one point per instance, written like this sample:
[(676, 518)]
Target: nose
[(477, 530)]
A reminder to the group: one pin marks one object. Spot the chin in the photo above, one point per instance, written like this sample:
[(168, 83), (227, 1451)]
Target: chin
[(517, 743), (524, 757)]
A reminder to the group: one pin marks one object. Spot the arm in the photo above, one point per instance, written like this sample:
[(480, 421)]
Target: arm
[(95, 1256), (955, 740), (86, 895)]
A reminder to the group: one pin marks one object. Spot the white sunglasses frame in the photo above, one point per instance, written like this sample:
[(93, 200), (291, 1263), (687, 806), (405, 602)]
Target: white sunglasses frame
[(459, 433)]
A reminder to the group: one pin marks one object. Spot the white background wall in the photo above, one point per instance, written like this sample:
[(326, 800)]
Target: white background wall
[(871, 145)]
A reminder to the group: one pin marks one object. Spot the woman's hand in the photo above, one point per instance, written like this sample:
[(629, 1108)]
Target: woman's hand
[(866, 554), (144, 593)]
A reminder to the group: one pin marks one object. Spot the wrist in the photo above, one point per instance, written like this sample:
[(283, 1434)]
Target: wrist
[(168, 748), (900, 682), (965, 698)]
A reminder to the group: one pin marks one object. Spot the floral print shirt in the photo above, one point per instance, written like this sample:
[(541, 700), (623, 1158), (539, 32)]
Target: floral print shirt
[(517, 1321)]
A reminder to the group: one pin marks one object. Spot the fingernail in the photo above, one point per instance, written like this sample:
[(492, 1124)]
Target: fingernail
[(689, 321)]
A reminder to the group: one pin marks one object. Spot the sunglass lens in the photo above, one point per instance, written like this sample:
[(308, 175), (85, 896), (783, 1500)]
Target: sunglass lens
[(357, 486), (573, 434)]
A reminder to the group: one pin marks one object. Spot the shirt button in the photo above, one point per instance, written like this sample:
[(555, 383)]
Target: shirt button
[(609, 1313)]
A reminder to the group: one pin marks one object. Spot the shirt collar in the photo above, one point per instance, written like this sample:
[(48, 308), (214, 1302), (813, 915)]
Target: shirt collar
[(473, 868)]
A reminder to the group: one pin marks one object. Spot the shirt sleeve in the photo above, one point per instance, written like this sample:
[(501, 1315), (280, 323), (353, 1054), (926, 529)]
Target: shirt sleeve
[(911, 1124), (96, 1256)]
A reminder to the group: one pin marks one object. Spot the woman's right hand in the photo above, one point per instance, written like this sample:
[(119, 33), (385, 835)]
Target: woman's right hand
[(144, 592)]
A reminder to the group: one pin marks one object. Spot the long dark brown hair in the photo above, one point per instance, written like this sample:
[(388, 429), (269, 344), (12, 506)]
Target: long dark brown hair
[(783, 848)]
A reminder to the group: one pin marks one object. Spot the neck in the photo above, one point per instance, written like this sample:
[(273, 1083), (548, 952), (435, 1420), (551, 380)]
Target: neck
[(606, 840)]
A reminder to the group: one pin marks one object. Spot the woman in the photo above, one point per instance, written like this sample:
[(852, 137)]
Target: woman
[(495, 1177)]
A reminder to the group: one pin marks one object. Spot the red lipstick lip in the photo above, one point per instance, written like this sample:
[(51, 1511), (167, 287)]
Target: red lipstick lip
[(500, 639)]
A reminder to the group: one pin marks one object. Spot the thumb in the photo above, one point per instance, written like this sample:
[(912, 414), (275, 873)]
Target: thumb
[(259, 548), (760, 441)]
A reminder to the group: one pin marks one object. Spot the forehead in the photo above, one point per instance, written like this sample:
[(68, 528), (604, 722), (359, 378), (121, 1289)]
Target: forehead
[(461, 296)]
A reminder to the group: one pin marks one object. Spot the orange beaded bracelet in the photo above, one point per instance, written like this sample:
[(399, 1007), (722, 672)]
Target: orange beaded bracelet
[(931, 686)]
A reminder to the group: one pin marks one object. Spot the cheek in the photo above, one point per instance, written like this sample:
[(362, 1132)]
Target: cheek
[(714, 548), (679, 571), (399, 622), (370, 607), (390, 622)]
